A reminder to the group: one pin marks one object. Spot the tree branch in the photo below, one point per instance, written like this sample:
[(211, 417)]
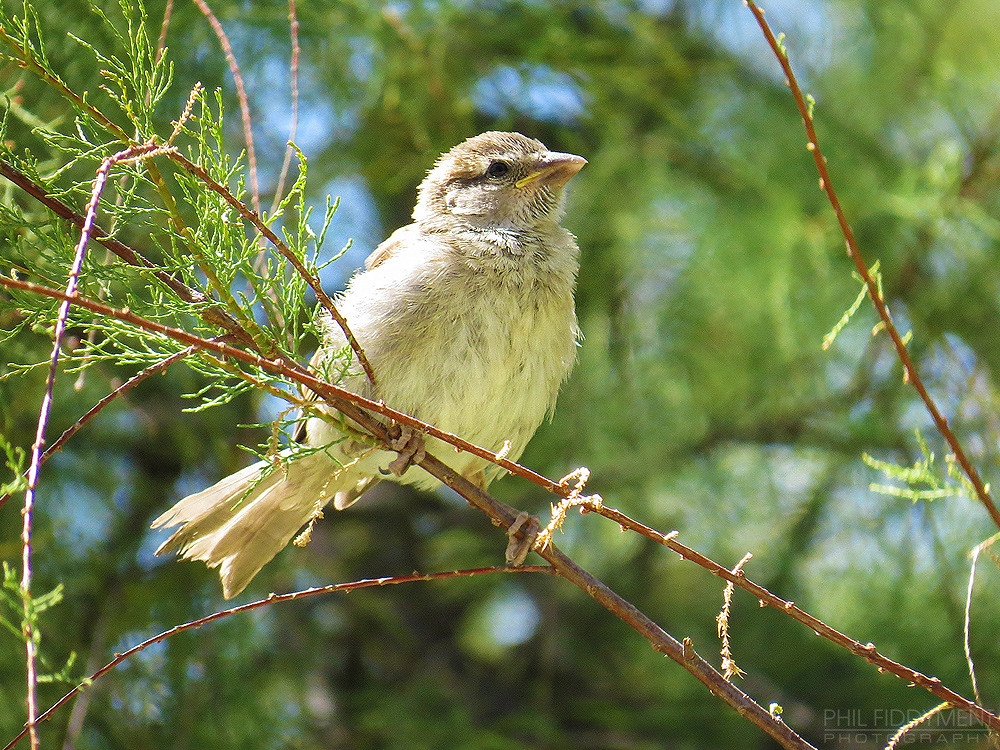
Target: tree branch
[(271, 599), (866, 651), (241, 95), (881, 308), (214, 314), (30, 638)]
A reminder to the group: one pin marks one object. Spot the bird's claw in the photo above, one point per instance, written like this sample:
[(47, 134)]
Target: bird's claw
[(410, 444), (522, 534)]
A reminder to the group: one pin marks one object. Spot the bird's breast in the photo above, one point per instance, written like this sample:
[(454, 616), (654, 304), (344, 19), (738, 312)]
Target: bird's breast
[(477, 355)]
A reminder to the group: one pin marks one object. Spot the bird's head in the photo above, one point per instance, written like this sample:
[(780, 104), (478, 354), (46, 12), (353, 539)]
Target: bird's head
[(495, 180)]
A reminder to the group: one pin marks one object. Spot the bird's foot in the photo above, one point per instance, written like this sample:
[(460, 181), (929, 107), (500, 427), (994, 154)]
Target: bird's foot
[(522, 534), (410, 444)]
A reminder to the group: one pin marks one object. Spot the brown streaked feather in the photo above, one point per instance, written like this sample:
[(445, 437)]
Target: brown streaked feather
[(387, 249)]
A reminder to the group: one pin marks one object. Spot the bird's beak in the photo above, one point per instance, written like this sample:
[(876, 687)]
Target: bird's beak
[(555, 169)]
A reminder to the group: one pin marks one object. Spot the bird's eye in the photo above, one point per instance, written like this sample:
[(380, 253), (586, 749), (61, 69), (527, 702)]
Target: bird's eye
[(497, 169)]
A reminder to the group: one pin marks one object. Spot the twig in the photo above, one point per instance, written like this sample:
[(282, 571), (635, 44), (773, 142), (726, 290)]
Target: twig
[(131, 383), (572, 498), (909, 368), (976, 551), (898, 735), (967, 622), (31, 643), (227, 50), (272, 599), (682, 653), (161, 43), (293, 23), (261, 263), (866, 651), (499, 513), (729, 668), (736, 577), (241, 94)]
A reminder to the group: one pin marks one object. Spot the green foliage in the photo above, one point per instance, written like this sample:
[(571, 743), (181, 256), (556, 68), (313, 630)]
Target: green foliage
[(923, 472), (198, 236), (12, 600), (855, 306), (15, 462), (138, 81), (19, 612)]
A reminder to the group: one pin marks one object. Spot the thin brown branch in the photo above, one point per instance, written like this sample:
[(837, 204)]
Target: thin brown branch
[(595, 504), (286, 251), (261, 263), (241, 93), (293, 24), (866, 651), (161, 43), (901, 732), (101, 294), (270, 600), (499, 513), (214, 314), (682, 653), (27, 513), (967, 621), (26, 59), (909, 368), (131, 383)]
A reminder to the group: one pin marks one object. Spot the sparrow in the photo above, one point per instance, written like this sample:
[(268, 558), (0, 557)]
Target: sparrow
[(467, 317)]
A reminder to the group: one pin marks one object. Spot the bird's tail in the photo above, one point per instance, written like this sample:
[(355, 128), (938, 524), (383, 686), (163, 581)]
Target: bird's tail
[(244, 520)]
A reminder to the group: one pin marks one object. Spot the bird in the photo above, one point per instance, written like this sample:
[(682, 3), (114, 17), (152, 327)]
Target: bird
[(467, 317)]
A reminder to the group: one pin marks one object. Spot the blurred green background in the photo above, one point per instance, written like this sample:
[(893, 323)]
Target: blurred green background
[(703, 400)]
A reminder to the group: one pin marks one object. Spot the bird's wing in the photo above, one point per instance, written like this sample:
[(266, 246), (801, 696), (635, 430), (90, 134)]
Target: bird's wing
[(381, 253), (388, 248)]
